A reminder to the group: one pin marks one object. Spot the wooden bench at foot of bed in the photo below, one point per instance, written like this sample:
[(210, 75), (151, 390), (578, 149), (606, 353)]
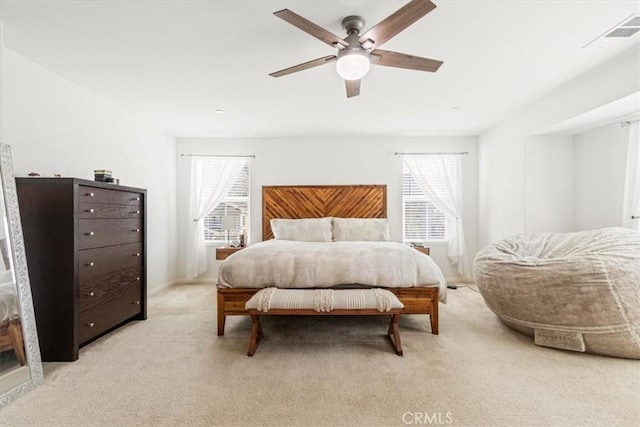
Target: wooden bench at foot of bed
[(326, 302), (418, 300)]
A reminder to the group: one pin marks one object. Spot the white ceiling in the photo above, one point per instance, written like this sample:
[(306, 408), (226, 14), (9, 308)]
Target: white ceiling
[(174, 63)]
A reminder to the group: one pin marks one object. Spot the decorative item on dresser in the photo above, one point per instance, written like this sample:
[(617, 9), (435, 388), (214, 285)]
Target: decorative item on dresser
[(86, 246)]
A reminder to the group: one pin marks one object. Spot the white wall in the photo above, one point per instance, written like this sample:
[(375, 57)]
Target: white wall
[(54, 126), (500, 185), (548, 184), (502, 163), (599, 174), (332, 161)]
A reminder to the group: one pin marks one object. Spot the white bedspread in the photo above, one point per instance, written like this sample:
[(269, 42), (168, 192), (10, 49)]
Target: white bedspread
[(289, 264)]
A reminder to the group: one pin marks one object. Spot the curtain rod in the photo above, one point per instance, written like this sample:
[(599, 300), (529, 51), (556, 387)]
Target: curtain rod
[(626, 123), (218, 155), (458, 153)]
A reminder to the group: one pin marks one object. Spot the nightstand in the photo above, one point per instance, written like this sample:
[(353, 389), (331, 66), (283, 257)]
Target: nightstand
[(223, 253), (422, 249)]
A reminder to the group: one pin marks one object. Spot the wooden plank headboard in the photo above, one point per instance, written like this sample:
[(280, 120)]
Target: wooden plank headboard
[(318, 201)]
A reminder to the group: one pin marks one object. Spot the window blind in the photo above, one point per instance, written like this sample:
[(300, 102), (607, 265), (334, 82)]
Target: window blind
[(236, 205), (422, 220)]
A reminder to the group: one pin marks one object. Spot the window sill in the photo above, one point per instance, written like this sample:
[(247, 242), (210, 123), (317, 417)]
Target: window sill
[(216, 244), (428, 243)]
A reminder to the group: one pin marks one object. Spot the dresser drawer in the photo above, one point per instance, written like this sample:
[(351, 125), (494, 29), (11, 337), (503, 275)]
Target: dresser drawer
[(101, 289), (103, 210), (95, 233), (103, 195), (97, 320), (98, 262)]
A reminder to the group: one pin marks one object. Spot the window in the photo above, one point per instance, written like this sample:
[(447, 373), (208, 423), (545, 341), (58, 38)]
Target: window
[(236, 205), (422, 220)]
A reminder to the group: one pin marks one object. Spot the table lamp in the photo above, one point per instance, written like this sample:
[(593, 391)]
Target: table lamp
[(228, 223)]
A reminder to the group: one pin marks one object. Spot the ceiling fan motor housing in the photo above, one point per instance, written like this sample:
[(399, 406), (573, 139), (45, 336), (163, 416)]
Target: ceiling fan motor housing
[(353, 24)]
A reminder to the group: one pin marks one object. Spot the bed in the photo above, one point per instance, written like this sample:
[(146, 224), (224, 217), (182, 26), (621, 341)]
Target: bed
[(355, 252)]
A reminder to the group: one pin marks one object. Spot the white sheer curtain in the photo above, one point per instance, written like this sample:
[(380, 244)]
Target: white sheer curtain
[(632, 182), (429, 168), (203, 199)]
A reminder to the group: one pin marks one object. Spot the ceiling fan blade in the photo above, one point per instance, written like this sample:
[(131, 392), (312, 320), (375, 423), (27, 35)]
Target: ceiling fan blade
[(304, 66), (353, 88), (310, 28), (402, 60), (397, 21)]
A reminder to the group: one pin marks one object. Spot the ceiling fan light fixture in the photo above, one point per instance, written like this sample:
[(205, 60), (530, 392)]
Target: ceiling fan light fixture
[(353, 64)]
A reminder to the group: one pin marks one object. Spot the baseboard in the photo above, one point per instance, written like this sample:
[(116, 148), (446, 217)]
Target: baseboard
[(195, 281), (180, 282), (460, 280), (157, 289)]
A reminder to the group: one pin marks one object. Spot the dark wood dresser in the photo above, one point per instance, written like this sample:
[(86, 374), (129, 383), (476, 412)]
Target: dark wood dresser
[(86, 253)]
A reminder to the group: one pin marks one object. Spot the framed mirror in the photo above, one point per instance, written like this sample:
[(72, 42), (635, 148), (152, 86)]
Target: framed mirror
[(20, 363)]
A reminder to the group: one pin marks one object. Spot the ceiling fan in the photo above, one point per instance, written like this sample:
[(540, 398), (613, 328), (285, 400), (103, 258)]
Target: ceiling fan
[(356, 52)]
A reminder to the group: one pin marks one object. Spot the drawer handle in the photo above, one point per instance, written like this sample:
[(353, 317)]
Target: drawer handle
[(136, 303), (90, 294), (90, 324), (137, 253), (91, 233), (137, 212), (90, 194), (90, 210), (136, 199), (137, 279), (137, 230), (91, 264)]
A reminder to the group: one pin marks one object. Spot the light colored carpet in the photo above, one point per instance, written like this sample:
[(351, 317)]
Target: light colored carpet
[(172, 370)]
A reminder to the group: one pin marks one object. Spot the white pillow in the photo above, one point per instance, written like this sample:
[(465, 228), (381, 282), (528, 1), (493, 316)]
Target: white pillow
[(302, 230), (361, 229)]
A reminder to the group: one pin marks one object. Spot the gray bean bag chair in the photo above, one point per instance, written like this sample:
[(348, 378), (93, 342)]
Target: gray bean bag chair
[(573, 291)]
